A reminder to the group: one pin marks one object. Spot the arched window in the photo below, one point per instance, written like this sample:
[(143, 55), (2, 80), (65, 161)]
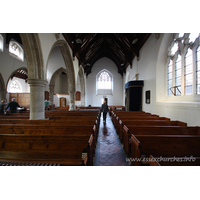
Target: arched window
[(178, 76), (188, 72), (182, 58), (15, 87), (16, 50), (1, 42), (169, 77), (174, 49), (104, 82), (193, 37), (198, 70)]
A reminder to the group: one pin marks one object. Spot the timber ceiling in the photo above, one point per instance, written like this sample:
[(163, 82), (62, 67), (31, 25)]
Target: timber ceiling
[(121, 48)]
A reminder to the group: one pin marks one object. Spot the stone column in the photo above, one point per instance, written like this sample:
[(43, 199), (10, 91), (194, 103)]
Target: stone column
[(51, 92), (72, 100), (37, 108), (2, 95), (82, 99)]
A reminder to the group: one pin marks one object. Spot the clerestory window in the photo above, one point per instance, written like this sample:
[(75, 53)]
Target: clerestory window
[(16, 50)]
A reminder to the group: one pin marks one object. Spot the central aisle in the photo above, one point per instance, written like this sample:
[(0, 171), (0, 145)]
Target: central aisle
[(109, 151)]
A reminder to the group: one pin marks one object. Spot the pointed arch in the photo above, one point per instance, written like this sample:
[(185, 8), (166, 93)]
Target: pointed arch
[(68, 63), (55, 74), (33, 53), (21, 68)]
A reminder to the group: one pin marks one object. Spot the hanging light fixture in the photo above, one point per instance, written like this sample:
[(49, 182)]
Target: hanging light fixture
[(79, 41), (135, 41)]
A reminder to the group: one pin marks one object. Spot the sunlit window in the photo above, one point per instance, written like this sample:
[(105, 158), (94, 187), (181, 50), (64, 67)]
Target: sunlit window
[(169, 77), (104, 81), (198, 70), (180, 35), (16, 50), (174, 49), (178, 76), (188, 72), (1, 42), (193, 37), (180, 65)]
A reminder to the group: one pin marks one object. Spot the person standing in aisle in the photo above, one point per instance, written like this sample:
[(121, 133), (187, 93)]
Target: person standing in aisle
[(104, 109)]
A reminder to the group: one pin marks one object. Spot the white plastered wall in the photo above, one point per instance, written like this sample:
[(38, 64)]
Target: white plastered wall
[(152, 69), (117, 97)]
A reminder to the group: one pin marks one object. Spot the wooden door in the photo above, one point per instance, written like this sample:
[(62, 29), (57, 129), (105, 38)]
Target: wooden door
[(63, 102)]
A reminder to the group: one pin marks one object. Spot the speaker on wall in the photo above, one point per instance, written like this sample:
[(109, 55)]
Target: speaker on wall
[(147, 94)]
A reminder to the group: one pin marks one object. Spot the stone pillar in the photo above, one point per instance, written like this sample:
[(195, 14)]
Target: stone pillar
[(82, 99), (2, 95), (37, 108), (51, 92), (72, 100)]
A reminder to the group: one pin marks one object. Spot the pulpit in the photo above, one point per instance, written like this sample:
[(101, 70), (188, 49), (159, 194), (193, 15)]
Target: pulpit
[(133, 96)]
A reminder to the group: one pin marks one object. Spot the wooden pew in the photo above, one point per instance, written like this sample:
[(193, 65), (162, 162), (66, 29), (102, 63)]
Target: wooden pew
[(163, 146), (156, 130), (128, 115), (74, 118), (145, 122), (63, 150), (118, 114), (139, 117), (76, 124), (28, 129)]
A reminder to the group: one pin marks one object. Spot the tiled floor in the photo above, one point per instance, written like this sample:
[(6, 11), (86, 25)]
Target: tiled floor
[(109, 151)]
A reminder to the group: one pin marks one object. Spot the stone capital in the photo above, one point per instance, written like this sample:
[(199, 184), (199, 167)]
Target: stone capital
[(38, 82)]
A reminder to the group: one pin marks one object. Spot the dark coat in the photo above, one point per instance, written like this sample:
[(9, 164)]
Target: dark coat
[(13, 106), (104, 108)]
